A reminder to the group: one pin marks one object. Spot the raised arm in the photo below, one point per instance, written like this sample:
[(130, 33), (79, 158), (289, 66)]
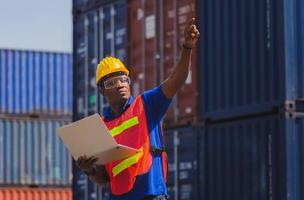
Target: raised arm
[(180, 72)]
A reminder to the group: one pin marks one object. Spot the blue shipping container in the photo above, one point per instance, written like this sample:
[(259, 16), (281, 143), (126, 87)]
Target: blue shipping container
[(182, 147), (251, 56), (32, 154), (97, 34), (84, 189), (34, 82), (260, 158), (257, 158), (83, 5)]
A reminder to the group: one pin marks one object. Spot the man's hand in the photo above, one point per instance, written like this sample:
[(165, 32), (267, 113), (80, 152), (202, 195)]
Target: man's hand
[(96, 173), (87, 164), (191, 34)]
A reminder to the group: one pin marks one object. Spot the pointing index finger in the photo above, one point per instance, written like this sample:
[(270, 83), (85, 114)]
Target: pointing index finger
[(192, 21)]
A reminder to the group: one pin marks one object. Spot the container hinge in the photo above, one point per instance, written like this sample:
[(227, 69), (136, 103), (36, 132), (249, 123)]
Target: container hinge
[(294, 108)]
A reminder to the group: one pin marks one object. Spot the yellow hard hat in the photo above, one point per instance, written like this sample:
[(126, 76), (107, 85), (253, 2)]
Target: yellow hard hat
[(109, 65)]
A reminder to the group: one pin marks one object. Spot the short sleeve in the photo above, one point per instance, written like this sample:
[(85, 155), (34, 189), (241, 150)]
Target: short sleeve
[(156, 105)]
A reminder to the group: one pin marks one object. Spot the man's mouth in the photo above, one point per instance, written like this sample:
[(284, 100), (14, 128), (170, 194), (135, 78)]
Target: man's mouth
[(122, 91)]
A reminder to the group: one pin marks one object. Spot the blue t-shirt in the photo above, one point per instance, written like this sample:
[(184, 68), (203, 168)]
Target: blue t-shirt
[(151, 183)]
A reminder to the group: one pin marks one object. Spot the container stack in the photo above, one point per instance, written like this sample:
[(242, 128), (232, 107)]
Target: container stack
[(155, 35), (235, 130), (35, 100), (99, 31), (252, 75), (251, 79)]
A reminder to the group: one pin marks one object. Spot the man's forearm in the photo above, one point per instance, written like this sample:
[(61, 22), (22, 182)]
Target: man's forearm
[(179, 74), (182, 68)]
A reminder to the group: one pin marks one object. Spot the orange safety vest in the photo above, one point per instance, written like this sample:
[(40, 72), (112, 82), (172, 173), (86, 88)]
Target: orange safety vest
[(130, 129)]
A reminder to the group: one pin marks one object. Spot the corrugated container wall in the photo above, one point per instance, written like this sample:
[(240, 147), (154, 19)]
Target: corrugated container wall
[(35, 83), (251, 56), (182, 147), (35, 194), (80, 6), (32, 154), (255, 158), (97, 33), (155, 33), (84, 189), (259, 158)]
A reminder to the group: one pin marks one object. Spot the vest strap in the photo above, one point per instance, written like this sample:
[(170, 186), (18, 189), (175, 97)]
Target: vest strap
[(157, 151), (127, 162), (123, 126)]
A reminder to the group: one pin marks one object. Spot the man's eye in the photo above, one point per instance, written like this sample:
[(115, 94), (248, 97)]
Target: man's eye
[(112, 82), (124, 79)]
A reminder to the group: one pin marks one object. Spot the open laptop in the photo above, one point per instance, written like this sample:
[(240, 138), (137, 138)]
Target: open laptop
[(91, 137)]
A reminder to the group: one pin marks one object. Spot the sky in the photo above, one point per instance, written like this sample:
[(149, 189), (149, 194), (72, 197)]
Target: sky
[(44, 25)]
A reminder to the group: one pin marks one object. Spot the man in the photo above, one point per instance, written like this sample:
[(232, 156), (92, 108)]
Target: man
[(137, 123)]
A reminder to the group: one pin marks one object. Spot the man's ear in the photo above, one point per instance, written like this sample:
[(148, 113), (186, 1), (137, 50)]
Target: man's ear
[(101, 90)]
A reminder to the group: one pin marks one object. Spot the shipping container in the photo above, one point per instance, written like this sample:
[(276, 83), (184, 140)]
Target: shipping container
[(11, 193), (84, 189), (256, 158), (155, 36), (183, 150), (249, 158), (35, 83), (80, 6), (98, 33), (251, 56), (32, 154)]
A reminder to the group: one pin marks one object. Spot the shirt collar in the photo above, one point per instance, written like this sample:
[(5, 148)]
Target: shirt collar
[(108, 114)]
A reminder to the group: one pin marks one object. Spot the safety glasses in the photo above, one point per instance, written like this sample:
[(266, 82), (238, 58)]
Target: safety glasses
[(112, 82)]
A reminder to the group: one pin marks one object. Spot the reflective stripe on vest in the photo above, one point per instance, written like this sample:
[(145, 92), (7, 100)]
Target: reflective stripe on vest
[(127, 162), (123, 126)]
